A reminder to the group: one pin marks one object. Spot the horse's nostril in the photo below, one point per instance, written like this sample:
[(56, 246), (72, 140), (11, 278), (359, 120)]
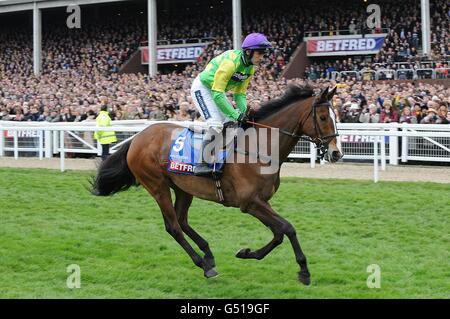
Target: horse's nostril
[(336, 155)]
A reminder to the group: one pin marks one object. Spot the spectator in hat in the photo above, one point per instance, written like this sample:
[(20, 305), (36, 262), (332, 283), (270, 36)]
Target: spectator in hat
[(435, 99), (352, 116)]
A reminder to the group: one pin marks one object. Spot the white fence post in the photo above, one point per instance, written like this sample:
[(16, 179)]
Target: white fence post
[(16, 145), (99, 148), (313, 154), (2, 142), (55, 144), (41, 145), (383, 152), (48, 142), (404, 147), (61, 149), (375, 160), (393, 148)]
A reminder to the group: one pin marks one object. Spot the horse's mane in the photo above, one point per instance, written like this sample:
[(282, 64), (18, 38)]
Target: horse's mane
[(292, 94)]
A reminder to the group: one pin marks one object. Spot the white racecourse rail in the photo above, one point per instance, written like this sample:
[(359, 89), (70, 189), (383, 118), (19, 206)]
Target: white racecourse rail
[(393, 141)]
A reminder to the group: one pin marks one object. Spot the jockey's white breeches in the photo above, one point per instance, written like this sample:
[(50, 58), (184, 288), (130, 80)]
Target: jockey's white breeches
[(209, 111)]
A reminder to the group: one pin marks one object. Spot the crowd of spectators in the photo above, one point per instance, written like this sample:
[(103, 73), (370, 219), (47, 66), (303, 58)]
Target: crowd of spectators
[(92, 49), (387, 102), (71, 97), (401, 49)]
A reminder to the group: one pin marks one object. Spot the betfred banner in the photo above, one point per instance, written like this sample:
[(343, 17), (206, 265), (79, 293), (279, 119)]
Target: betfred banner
[(21, 134), (345, 45), (175, 53), (356, 139)]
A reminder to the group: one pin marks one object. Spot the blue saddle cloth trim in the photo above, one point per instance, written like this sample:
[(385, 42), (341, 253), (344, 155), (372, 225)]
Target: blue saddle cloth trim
[(185, 153)]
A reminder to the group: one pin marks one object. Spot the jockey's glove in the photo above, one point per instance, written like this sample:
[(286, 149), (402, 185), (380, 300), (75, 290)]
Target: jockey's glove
[(242, 119)]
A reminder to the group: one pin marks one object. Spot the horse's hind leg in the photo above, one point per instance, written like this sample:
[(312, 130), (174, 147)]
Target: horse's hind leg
[(182, 203), (164, 200)]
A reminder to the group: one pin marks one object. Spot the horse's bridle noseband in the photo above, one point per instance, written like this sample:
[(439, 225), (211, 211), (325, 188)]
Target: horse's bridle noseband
[(321, 142)]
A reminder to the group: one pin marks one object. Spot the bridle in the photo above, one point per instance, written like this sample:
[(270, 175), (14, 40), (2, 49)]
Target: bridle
[(321, 142)]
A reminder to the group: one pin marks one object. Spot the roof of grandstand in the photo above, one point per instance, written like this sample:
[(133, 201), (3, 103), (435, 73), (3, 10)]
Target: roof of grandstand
[(20, 5), (53, 2), (8, 2)]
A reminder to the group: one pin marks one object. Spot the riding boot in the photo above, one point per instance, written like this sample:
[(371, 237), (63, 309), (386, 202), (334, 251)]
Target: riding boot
[(202, 168)]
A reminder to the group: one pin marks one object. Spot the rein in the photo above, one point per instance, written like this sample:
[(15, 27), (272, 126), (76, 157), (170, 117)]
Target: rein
[(306, 138), (321, 142)]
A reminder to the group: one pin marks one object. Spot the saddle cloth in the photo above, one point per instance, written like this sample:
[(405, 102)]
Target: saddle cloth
[(185, 153)]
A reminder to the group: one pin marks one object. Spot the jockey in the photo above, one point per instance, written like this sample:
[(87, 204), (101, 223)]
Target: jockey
[(231, 70)]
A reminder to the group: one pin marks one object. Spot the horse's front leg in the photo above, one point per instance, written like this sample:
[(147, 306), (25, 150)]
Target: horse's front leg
[(280, 227), (265, 214)]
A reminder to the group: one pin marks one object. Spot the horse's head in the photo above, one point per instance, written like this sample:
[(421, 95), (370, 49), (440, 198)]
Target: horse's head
[(320, 125)]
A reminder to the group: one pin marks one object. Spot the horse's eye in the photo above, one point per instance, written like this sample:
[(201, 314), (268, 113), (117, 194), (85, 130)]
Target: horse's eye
[(323, 118)]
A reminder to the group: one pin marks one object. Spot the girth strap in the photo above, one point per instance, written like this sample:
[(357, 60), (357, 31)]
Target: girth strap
[(216, 178)]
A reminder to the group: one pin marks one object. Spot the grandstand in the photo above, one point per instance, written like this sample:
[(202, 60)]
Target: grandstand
[(49, 72)]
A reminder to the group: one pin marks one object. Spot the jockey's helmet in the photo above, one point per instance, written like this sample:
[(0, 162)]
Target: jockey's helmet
[(256, 41)]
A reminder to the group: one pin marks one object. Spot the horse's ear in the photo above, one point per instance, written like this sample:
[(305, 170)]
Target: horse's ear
[(331, 93), (323, 95)]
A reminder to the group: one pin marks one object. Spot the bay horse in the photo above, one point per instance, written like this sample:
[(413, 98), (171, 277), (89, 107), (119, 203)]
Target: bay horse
[(298, 114)]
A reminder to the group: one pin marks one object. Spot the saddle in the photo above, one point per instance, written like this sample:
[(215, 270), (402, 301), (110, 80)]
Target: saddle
[(186, 150), (185, 153)]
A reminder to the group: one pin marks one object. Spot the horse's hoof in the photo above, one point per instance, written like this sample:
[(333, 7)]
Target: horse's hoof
[(243, 253), (210, 262), (211, 273), (304, 279)]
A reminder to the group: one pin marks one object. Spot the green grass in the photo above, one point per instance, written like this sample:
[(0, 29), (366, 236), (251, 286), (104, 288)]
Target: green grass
[(48, 221)]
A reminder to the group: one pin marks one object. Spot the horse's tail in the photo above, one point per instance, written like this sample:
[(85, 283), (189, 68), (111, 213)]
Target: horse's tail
[(113, 175)]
